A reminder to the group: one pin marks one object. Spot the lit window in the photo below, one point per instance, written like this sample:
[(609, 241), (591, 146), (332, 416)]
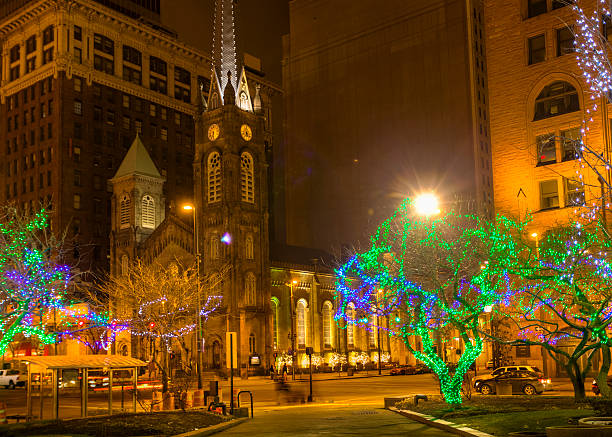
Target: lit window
[(301, 323), (549, 194), (148, 212), (78, 107), (350, 317), (214, 177), (565, 41), (246, 178), (164, 134), (78, 84), (327, 324), (124, 212), (76, 201), (572, 139)]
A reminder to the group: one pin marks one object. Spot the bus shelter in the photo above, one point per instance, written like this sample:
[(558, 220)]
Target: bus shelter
[(44, 365)]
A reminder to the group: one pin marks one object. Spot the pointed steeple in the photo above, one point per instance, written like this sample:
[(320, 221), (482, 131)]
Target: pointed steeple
[(137, 161), (215, 96), (224, 43), (243, 95)]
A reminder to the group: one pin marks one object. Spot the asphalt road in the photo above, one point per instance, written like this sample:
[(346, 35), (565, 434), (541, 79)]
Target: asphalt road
[(350, 391)]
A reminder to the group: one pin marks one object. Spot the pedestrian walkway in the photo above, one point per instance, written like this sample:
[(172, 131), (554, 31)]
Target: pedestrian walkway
[(325, 419)]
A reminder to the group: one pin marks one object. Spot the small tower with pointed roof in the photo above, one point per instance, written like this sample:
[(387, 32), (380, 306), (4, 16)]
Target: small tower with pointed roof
[(231, 197), (137, 204)]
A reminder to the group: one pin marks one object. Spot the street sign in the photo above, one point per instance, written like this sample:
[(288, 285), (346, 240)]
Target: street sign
[(231, 348)]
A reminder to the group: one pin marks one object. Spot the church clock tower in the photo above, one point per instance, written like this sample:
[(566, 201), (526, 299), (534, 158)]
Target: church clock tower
[(231, 200)]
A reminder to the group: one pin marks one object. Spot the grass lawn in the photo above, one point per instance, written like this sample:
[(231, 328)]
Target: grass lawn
[(144, 424), (500, 415)]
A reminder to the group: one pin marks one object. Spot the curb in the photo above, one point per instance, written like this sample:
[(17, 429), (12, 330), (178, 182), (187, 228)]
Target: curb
[(440, 424), (213, 429)]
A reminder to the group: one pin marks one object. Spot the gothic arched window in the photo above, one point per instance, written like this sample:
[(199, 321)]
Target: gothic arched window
[(327, 324), (124, 265), (248, 247), (243, 100), (275, 304), (252, 348), (148, 212), (372, 330), (350, 317), (250, 286), (214, 246), (556, 99), (214, 177), (124, 212), (247, 186), (301, 323)]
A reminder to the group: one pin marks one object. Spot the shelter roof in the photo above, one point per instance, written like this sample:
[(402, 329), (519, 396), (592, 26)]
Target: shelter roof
[(85, 362)]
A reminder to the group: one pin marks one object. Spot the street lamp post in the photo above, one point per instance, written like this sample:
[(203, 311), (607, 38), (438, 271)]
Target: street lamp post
[(199, 308)]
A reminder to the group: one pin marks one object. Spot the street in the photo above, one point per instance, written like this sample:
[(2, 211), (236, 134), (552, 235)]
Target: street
[(368, 391)]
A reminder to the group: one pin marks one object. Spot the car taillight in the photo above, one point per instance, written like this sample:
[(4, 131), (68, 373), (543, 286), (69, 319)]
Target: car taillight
[(594, 382), (544, 381), (17, 379)]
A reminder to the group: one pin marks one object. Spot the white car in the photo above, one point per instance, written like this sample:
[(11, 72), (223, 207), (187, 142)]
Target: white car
[(545, 381), (11, 378)]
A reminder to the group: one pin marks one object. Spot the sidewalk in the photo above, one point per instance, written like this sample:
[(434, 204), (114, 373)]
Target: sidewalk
[(333, 376), (324, 419)]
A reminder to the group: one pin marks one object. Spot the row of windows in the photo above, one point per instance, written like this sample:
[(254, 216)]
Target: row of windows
[(29, 94), (247, 178), (46, 109), (536, 45), (214, 247), (28, 185), (539, 7), (554, 148), (47, 37), (12, 145), (572, 192), (302, 322)]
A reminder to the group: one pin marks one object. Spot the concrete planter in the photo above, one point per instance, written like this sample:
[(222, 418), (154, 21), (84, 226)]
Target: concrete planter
[(596, 421), (578, 431)]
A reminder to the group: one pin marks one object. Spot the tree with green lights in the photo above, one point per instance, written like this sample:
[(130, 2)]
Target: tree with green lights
[(430, 277), (32, 278), (562, 299)]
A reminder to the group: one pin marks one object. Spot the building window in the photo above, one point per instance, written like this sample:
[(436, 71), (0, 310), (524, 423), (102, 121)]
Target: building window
[(565, 41), (30, 45), (126, 101), (152, 110), (97, 113), (78, 107), (103, 64), (76, 201), (301, 323), (556, 99), (164, 114), (574, 192), (30, 64), (246, 178), (537, 49), (14, 73), (214, 247), (252, 349), (104, 44), (126, 122), (327, 324), (159, 85), (124, 265), (250, 286), (132, 55), (158, 66), (124, 212), (536, 7), (76, 154), (558, 4), (78, 84), (181, 93), (48, 35), (78, 33), (15, 53), (148, 212), (249, 252), (138, 125), (571, 140), (164, 134), (110, 118), (214, 177), (350, 317), (177, 119), (547, 152), (47, 56), (181, 75), (275, 304), (549, 194), (132, 75)]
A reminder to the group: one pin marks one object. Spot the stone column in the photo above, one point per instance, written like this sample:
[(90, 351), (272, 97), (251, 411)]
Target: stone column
[(22, 58), (39, 50), (170, 78), (145, 70)]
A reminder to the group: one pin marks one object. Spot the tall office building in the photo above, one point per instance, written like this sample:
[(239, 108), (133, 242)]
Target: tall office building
[(383, 100), (538, 105), (79, 80)]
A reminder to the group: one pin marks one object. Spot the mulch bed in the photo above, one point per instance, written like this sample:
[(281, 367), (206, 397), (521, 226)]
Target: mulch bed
[(144, 424)]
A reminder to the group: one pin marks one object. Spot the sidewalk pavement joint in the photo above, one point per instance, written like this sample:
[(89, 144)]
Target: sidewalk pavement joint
[(444, 425)]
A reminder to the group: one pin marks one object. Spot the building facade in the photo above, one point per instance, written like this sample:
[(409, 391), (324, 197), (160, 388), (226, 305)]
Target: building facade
[(384, 100), (79, 80), (538, 107)]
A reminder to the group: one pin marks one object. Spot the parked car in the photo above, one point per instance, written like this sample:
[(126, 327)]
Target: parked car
[(11, 378), (504, 369), (97, 379), (422, 368), (525, 382), (595, 387), (404, 370)]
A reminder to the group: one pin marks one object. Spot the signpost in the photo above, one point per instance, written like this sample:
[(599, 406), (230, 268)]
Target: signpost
[(231, 358)]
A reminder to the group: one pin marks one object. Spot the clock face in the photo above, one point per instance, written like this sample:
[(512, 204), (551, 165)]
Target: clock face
[(245, 131), (213, 132)]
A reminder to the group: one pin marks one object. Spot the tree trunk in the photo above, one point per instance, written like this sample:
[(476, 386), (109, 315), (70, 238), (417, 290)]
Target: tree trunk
[(573, 370), (602, 376), (164, 370)]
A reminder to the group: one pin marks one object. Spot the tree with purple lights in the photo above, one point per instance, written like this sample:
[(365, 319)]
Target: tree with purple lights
[(429, 276)]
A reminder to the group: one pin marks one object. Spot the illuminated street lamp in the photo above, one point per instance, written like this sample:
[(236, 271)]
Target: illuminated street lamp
[(191, 208), (427, 204)]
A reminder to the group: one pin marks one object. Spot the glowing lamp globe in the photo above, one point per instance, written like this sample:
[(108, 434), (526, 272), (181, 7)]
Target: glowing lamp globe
[(427, 204)]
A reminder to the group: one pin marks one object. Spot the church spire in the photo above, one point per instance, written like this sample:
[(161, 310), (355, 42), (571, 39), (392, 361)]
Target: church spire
[(224, 43)]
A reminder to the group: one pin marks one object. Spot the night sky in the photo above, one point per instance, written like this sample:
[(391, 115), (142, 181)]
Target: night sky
[(260, 24)]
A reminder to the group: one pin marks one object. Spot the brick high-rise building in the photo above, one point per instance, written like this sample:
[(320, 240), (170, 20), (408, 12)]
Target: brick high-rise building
[(383, 100), (538, 105), (79, 80)]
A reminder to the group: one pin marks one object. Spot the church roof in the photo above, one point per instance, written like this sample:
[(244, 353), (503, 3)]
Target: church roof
[(137, 161), (283, 254)]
